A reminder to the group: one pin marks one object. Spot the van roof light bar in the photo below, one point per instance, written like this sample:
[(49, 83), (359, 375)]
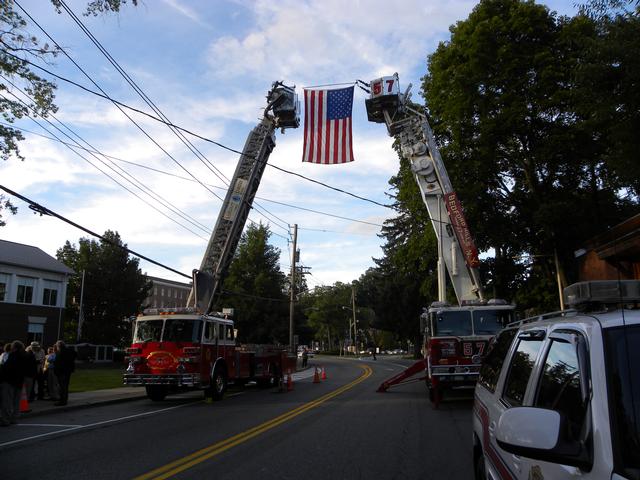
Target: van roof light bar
[(603, 291)]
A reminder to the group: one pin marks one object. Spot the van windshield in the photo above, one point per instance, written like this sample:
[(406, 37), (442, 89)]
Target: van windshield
[(490, 322), (456, 323), (622, 347)]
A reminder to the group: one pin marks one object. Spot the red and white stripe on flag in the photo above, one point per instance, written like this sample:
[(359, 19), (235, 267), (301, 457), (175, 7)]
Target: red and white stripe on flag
[(327, 126)]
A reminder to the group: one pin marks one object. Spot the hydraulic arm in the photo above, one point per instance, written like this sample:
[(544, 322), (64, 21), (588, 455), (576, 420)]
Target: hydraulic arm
[(282, 112), (412, 131)]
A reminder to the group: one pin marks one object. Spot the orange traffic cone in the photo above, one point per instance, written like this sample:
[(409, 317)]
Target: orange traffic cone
[(24, 401), (289, 383), (316, 377), (324, 374)]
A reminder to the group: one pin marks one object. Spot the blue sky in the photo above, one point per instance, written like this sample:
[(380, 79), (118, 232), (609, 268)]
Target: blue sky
[(208, 66)]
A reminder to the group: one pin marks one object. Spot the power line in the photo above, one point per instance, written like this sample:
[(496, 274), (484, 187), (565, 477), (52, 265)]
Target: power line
[(113, 179), (133, 182), (36, 207), (105, 95), (189, 132), (264, 199), (118, 106), (157, 110)]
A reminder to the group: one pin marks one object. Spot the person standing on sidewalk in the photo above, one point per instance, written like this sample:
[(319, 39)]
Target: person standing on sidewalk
[(11, 381), (52, 380), (5, 353), (38, 353), (63, 367), (30, 373)]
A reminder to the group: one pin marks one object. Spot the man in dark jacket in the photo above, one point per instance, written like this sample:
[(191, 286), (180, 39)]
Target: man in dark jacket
[(12, 377), (63, 367)]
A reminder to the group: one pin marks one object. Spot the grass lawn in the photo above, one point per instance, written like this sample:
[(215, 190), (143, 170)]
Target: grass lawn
[(96, 377)]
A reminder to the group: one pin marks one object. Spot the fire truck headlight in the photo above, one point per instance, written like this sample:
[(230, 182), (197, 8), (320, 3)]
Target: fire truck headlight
[(180, 369), (130, 368)]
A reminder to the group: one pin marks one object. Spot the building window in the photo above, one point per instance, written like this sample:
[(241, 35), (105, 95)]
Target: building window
[(3, 291), (50, 297), (155, 290), (35, 331), (25, 290), (162, 292), (50, 289)]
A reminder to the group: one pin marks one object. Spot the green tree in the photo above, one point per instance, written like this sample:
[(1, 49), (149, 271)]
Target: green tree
[(18, 46), (329, 314), (255, 289), (114, 289), (509, 112)]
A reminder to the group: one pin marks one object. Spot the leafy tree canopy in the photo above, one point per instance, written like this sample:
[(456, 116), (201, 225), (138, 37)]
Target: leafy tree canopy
[(529, 135), (114, 289), (18, 45), (255, 289)]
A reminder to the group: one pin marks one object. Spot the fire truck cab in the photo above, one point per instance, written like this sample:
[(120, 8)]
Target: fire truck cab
[(456, 340), (180, 349)]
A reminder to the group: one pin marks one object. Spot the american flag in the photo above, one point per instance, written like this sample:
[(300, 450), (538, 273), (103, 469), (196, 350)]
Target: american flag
[(327, 126)]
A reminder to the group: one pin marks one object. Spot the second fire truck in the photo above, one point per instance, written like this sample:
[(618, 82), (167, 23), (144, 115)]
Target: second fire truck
[(455, 336)]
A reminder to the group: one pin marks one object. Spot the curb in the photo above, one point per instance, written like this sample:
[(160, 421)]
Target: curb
[(80, 406)]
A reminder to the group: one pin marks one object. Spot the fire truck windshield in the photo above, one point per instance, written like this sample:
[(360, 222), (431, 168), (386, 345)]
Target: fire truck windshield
[(148, 331), (182, 330), (456, 323), (175, 330), (490, 322)]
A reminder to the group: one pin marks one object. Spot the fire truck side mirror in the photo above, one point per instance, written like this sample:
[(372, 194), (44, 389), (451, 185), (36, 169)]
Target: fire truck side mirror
[(424, 322)]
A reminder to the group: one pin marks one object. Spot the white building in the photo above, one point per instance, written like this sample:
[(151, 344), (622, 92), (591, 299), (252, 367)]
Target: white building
[(33, 289)]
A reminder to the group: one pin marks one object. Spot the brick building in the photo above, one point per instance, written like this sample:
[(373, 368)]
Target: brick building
[(167, 293), (33, 289), (612, 255)]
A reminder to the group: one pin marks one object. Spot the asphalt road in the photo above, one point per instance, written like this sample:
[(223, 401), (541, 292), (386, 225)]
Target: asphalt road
[(337, 429)]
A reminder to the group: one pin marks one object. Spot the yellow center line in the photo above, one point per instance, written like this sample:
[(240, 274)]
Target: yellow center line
[(206, 453)]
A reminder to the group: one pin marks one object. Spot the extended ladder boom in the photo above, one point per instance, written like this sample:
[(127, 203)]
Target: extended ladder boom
[(412, 130), (281, 112)]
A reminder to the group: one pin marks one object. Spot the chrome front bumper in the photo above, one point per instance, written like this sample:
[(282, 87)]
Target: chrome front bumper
[(175, 380)]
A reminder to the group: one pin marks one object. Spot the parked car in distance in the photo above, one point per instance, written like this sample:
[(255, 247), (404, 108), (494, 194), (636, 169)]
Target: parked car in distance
[(559, 394), (301, 348)]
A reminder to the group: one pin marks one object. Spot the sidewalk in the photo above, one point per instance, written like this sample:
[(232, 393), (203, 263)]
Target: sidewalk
[(86, 399)]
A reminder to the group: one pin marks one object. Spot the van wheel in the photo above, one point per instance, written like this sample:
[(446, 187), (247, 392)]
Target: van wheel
[(156, 392), (218, 384)]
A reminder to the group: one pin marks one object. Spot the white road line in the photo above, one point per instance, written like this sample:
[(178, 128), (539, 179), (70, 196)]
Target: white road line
[(90, 425), (46, 425)]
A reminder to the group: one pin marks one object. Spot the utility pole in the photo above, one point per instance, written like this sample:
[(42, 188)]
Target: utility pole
[(355, 325), (293, 284), (80, 313)]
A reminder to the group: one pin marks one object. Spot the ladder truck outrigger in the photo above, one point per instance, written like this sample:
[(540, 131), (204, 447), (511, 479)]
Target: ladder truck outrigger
[(176, 349), (455, 338)]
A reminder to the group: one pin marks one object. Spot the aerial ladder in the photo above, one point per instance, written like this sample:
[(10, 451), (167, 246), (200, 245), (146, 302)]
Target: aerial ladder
[(455, 337), (281, 112)]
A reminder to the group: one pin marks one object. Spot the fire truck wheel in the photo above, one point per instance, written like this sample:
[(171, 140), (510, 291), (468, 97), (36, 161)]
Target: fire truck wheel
[(218, 384), (435, 395), (479, 470), (156, 392)]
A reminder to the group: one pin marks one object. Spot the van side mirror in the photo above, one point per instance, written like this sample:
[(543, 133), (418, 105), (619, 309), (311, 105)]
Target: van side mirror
[(540, 434)]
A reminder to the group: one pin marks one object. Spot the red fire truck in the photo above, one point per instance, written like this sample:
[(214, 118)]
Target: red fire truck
[(455, 337), (194, 347), (179, 349)]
